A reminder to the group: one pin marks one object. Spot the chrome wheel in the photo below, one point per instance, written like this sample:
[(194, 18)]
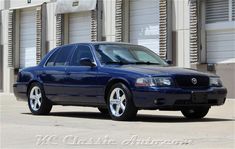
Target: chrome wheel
[(117, 102), (35, 98)]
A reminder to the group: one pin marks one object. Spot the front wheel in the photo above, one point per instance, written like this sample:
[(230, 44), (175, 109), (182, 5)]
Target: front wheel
[(120, 103), (195, 113), (37, 101)]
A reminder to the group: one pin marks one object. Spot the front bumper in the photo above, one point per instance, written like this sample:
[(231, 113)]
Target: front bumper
[(177, 98)]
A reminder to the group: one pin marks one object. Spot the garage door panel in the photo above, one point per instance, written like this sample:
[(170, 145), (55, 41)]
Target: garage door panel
[(219, 54), (143, 4), (149, 29), (80, 27), (28, 26), (144, 23), (221, 37), (27, 38), (147, 19), (144, 11), (221, 60), (220, 45)]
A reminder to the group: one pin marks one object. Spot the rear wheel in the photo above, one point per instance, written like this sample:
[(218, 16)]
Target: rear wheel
[(195, 113), (120, 103), (37, 101)]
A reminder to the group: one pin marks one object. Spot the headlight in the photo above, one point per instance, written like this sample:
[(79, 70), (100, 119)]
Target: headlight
[(154, 81), (215, 81)]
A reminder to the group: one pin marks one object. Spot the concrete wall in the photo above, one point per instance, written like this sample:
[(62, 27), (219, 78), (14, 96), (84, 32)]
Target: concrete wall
[(51, 26), (7, 72), (180, 27), (109, 20), (1, 55), (1, 52)]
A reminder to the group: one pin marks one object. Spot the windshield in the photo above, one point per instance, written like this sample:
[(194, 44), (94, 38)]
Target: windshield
[(127, 54)]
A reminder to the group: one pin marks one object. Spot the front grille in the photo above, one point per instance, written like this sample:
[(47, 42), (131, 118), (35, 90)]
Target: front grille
[(185, 81)]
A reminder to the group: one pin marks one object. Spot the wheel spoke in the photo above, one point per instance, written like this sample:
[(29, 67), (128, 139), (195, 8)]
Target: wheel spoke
[(117, 109), (35, 104), (118, 93), (33, 97), (123, 97), (113, 101), (122, 106), (39, 102)]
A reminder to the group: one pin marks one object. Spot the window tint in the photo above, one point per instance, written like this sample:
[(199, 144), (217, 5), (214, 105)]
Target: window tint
[(51, 61), (63, 55), (81, 52)]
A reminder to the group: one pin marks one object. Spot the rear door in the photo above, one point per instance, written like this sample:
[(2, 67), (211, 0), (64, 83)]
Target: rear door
[(54, 74)]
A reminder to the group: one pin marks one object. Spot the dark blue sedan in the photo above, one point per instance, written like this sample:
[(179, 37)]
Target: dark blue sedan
[(117, 78)]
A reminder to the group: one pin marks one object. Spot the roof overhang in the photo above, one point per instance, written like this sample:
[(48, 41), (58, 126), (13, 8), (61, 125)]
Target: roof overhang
[(72, 6), (27, 6)]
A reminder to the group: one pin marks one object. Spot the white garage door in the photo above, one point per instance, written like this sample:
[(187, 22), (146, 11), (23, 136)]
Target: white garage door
[(80, 27), (220, 31), (144, 23), (221, 46), (27, 38)]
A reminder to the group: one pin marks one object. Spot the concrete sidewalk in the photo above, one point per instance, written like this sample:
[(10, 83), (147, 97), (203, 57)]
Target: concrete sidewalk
[(81, 127)]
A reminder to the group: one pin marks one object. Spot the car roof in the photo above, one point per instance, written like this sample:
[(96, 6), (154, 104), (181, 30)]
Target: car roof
[(99, 42)]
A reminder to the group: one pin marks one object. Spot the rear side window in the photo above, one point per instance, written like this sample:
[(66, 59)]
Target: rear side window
[(59, 58), (81, 52)]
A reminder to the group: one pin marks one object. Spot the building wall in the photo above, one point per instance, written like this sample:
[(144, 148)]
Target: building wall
[(51, 26), (7, 77), (22, 3), (1, 53), (109, 20), (180, 27)]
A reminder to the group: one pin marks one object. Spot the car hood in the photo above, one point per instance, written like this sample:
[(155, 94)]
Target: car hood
[(154, 70)]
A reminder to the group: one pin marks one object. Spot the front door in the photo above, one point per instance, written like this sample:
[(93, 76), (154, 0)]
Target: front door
[(81, 82)]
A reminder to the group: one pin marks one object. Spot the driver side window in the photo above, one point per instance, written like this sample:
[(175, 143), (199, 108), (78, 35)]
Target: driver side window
[(81, 52)]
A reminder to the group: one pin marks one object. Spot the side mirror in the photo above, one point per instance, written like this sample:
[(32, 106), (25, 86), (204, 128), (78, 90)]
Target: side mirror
[(169, 62), (87, 62)]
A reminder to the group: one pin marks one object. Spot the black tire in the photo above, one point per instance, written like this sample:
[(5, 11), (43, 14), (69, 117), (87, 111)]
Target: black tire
[(103, 110), (130, 110), (195, 113), (46, 105)]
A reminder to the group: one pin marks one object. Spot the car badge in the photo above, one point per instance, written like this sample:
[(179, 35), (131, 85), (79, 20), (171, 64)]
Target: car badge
[(194, 81)]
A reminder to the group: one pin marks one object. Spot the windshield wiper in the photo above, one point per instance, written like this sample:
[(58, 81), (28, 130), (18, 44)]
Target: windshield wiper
[(148, 63)]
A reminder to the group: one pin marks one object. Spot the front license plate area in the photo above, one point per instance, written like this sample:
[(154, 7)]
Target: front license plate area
[(199, 97)]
